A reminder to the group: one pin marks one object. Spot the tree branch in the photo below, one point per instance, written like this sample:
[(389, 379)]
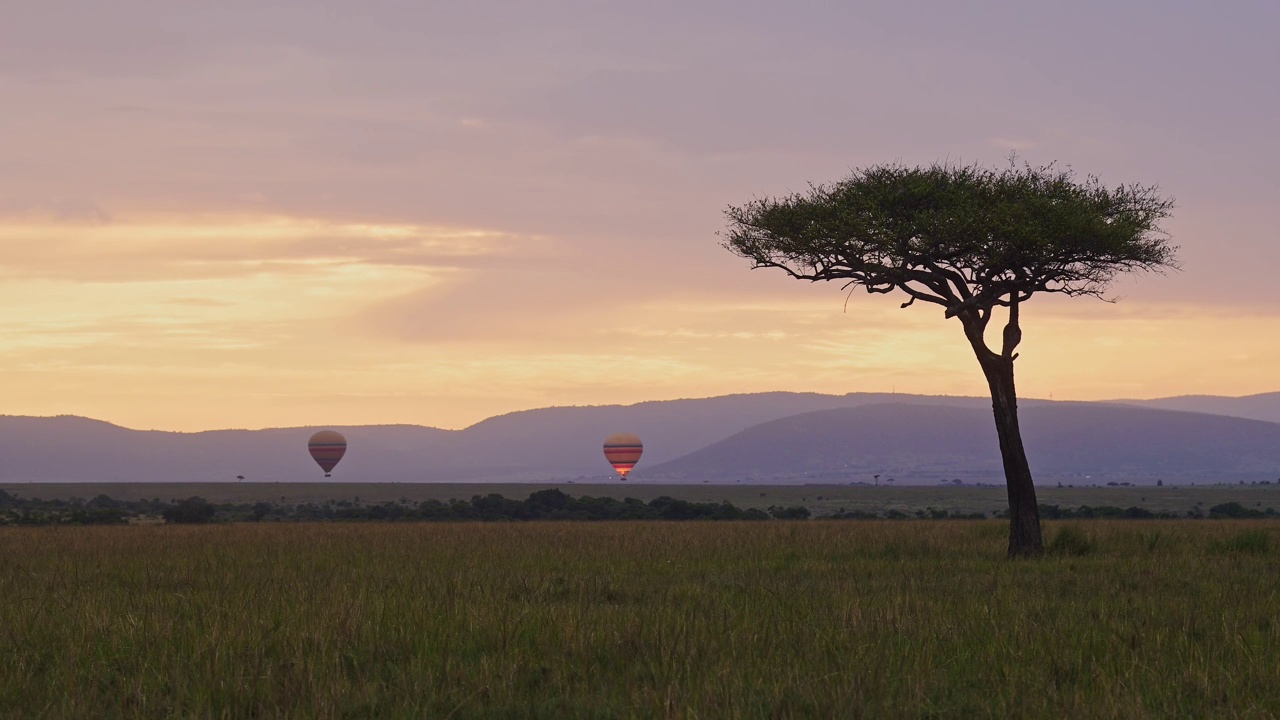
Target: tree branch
[(1012, 331)]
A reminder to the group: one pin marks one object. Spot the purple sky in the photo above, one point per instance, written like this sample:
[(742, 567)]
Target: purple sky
[(588, 150)]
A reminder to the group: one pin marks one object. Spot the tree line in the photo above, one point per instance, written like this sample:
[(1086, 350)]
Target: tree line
[(550, 504)]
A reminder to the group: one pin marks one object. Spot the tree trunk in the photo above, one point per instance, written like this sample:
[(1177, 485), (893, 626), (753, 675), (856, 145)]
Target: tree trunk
[(1024, 512)]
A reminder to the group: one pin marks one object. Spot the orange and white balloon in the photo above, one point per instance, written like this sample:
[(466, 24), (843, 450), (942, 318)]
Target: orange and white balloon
[(623, 450)]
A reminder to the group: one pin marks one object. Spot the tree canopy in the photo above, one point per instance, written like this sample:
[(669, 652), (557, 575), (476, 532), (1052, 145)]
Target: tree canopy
[(959, 236)]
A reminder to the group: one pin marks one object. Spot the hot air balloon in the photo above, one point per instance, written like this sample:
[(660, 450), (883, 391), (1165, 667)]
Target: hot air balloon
[(327, 448), (622, 450)]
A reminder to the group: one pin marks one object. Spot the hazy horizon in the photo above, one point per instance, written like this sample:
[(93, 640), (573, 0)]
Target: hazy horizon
[(1196, 403), (756, 438)]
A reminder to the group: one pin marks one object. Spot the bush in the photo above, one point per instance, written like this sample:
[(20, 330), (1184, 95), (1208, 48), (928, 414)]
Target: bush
[(851, 515), (796, 512), (1233, 510), (192, 510)]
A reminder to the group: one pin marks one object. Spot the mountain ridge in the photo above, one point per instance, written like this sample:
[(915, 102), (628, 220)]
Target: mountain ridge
[(1073, 442), (545, 444)]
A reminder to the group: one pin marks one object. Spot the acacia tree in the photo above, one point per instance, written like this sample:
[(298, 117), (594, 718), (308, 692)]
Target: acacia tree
[(970, 239)]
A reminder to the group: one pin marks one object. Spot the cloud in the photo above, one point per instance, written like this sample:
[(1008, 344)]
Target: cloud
[(177, 285), (208, 248)]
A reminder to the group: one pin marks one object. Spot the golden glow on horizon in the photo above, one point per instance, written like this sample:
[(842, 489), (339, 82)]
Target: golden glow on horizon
[(211, 322)]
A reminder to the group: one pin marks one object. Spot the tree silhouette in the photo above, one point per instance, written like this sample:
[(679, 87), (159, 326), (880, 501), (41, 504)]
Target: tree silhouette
[(969, 239)]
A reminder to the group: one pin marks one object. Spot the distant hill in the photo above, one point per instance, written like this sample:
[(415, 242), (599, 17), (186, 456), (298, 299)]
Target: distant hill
[(1077, 442), (566, 441), (784, 435), (531, 445), (1265, 406), (66, 448)]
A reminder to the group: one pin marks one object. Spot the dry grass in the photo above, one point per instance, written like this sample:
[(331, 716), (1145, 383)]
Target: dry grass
[(777, 619)]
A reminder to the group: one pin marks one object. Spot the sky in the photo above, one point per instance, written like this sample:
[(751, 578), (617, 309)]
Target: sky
[(259, 214)]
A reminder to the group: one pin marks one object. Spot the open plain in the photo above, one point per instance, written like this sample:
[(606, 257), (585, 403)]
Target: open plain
[(654, 619)]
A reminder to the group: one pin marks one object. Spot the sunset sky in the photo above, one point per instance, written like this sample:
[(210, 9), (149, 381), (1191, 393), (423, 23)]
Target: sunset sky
[(255, 214)]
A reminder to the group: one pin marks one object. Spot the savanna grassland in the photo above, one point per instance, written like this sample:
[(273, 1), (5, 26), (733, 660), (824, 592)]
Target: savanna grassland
[(651, 619)]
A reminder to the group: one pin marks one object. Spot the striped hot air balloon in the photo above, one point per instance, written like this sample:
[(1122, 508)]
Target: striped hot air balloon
[(327, 448), (622, 450)]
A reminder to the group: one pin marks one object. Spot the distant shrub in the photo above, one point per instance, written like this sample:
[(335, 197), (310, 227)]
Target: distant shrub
[(851, 515), (1101, 511), (1233, 510), (789, 513), (192, 510), (95, 516), (102, 501), (1071, 540)]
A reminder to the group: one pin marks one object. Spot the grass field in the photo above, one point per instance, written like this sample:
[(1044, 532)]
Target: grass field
[(821, 499), (694, 620)]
